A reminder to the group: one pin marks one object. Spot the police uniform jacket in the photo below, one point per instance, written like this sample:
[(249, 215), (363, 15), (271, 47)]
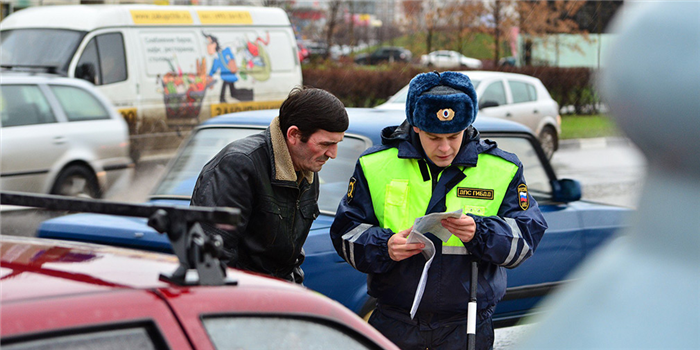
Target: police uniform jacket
[(278, 206), (502, 240)]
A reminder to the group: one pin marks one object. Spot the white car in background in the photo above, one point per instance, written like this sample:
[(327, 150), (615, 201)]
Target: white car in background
[(449, 60), (517, 97), (60, 136)]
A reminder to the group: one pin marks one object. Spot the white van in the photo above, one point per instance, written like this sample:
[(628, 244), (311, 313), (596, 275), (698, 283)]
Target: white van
[(165, 68)]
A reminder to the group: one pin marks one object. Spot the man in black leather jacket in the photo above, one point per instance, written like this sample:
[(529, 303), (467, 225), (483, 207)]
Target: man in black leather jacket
[(273, 178)]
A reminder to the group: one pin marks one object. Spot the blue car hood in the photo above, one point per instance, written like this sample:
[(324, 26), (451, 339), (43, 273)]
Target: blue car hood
[(134, 232)]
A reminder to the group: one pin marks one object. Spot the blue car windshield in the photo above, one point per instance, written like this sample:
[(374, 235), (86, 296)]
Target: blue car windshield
[(39, 47), (182, 175)]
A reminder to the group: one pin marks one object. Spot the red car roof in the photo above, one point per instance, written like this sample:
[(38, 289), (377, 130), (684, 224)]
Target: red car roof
[(50, 285), (67, 268)]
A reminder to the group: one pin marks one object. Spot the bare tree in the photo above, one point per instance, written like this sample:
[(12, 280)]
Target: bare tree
[(332, 20), (351, 7), (540, 18), (502, 18), (464, 21), (432, 17)]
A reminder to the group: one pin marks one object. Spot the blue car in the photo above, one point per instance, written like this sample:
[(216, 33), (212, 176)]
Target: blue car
[(576, 227)]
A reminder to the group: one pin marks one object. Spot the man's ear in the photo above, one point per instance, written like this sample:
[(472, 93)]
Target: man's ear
[(293, 135)]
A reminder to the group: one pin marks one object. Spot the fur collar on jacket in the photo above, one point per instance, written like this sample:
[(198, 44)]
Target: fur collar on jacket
[(284, 168)]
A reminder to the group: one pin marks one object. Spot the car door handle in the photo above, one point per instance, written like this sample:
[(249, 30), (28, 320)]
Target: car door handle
[(59, 140), (535, 111), (508, 115)]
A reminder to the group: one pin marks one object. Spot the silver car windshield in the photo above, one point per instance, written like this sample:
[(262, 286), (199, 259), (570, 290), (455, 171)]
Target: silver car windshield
[(29, 47)]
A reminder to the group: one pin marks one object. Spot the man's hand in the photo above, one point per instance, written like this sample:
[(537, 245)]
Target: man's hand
[(463, 227), (399, 250)]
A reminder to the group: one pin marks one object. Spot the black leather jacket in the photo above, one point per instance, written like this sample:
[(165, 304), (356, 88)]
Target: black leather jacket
[(276, 210)]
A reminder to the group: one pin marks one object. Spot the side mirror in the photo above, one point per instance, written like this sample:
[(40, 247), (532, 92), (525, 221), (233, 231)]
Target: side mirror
[(487, 104), (566, 190)]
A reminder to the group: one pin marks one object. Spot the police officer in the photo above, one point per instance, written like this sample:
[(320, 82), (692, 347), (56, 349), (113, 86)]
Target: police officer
[(436, 162)]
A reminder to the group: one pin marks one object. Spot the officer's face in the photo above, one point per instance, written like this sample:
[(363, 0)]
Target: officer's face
[(440, 148), (312, 154)]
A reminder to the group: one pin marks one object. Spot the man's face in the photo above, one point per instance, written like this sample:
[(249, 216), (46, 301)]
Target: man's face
[(211, 47), (440, 148), (312, 154)]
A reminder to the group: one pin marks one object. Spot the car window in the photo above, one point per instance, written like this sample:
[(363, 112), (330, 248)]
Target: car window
[(30, 47), (24, 105), (533, 169), (88, 67), (495, 92), (206, 143), (532, 90), (112, 58), (180, 179), (522, 92), (336, 172), (79, 104), (272, 333), (132, 338)]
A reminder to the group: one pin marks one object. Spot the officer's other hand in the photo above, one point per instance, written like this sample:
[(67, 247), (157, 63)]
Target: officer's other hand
[(399, 250), (463, 227)]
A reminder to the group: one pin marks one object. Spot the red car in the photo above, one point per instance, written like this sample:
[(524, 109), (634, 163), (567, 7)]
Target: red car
[(65, 295)]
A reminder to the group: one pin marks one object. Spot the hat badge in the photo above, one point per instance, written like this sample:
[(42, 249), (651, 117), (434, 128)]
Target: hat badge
[(445, 114)]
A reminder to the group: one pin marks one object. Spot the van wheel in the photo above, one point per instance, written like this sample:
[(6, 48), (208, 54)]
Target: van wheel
[(549, 141), (368, 308), (77, 181)]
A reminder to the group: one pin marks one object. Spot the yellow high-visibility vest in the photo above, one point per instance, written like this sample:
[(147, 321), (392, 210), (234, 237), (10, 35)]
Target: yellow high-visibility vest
[(400, 195)]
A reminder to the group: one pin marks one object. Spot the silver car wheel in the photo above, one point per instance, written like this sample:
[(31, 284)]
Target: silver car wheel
[(548, 140), (76, 181)]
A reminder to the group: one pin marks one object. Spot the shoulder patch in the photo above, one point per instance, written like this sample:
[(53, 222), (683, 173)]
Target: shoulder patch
[(351, 189), (523, 198)]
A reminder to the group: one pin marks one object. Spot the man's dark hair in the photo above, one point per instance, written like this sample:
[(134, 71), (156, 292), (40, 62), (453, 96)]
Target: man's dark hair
[(311, 109)]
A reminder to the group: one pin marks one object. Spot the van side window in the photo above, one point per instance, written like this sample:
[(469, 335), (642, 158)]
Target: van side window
[(24, 105), (89, 66), (112, 57), (79, 104), (103, 60)]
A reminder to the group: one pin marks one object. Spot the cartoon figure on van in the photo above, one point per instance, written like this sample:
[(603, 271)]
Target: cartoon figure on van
[(225, 62), (256, 61)]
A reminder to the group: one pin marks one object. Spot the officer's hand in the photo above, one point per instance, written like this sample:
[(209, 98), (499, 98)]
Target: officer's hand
[(463, 227), (399, 250)]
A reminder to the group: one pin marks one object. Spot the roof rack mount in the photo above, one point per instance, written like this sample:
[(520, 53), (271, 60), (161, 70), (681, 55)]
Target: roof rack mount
[(194, 249)]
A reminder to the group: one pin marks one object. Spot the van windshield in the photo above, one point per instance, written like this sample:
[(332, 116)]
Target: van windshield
[(39, 47)]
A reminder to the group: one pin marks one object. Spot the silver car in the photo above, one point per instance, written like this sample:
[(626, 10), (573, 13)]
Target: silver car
[(61, 136), (517, 97), (447, 59)]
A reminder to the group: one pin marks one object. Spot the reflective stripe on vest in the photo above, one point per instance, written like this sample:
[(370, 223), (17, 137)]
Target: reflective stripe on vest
[(399, 194)]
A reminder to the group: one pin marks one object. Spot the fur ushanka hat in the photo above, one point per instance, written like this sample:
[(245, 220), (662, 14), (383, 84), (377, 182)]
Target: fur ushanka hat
[(441, 103)]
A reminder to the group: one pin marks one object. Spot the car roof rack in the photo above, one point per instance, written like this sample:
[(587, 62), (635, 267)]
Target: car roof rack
[(195, 249), (34, 68)]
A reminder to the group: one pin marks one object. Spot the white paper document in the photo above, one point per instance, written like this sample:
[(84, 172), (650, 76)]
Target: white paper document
[(424, 224)]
